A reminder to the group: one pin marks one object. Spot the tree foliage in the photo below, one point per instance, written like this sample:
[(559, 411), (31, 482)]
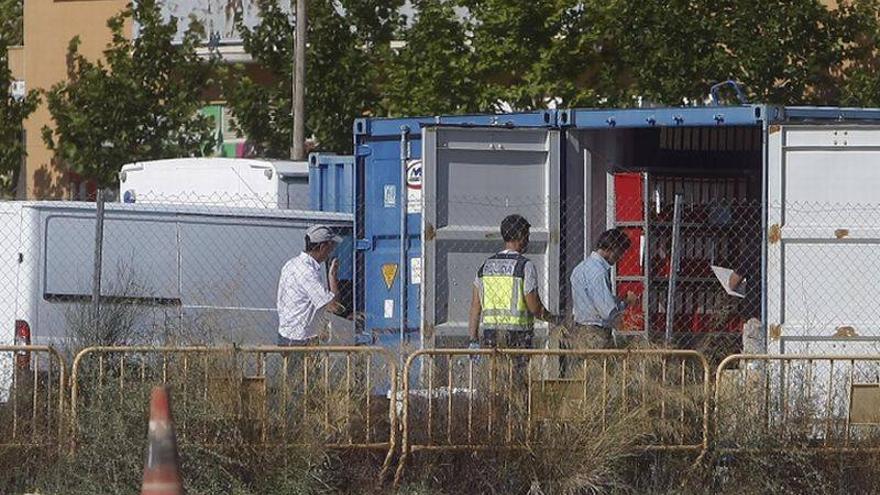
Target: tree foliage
[(498, 55), (141, 102), (13, 109), (861, 72), (11, 22), (454, 56), (522, 55), (433, 73), (348, 43)]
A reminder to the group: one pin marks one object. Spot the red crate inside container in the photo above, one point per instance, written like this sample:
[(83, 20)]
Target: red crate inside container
[(631, 263), (628, 203), (633, 318)]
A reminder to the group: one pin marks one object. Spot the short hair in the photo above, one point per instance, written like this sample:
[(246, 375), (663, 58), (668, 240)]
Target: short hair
[(514, 228), (613, 239)]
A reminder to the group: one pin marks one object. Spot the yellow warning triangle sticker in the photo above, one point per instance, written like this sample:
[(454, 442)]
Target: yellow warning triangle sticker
[(389, 271)]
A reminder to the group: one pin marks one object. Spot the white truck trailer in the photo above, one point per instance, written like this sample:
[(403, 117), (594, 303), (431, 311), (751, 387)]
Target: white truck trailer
[(239, 182)]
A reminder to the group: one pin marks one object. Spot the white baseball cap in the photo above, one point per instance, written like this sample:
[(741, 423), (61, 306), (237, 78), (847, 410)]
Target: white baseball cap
[(321, 233)]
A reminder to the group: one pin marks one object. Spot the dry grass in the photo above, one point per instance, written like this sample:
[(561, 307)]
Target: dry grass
[(578, 453), (243, 426), (540, 435), (241, 429), (239, 434), (793, 422), (218, 449)]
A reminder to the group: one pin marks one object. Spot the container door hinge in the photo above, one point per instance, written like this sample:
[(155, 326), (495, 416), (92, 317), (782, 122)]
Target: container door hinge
[(363, 150), (845, 332), (774, 234)]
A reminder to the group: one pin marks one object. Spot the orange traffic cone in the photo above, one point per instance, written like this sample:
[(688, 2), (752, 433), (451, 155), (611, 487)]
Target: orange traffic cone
[(161, 474)]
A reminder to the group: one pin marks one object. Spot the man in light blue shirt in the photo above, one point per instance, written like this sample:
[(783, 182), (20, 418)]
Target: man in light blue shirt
[(596, 309)]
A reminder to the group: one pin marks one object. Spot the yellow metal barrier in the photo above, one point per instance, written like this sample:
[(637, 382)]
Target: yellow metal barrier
[(466, 400), (271, 396), (32, 392), (785, 403)]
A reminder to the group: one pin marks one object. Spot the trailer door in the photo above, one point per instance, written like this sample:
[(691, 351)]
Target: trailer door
[(472, 178), (823, 239)]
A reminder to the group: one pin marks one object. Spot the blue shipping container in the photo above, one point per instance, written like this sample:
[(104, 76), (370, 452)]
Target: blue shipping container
[(331, 182), (593, 144), (744, 139), (387, 192)]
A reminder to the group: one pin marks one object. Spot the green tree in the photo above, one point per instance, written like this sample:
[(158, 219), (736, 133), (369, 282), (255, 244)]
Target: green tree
[(581, 65), (525, 54), (13, 110), (782, 51), (508, 36), (348, 47), (262, 110), (11, 22), (433, 73), (858, 22), (669, 49), (141, 104)]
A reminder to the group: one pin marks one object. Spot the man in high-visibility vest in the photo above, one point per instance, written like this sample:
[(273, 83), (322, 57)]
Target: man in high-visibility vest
[(505, 300)]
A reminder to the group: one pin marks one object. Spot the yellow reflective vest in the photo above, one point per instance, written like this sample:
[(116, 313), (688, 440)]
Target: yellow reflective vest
[(502, 294)]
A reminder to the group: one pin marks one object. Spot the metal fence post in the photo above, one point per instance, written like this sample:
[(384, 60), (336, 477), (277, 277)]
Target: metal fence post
[(99, 248), (402, 194), (675, 254)]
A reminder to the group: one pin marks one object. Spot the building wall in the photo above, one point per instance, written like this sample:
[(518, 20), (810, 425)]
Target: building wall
[(49, 25), (42, 62)]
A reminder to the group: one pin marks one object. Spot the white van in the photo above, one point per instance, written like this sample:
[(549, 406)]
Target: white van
[(205, 274), (240, 182)]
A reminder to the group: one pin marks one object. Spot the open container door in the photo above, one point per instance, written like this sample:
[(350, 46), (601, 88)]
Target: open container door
[(822, 239), (472, 178)]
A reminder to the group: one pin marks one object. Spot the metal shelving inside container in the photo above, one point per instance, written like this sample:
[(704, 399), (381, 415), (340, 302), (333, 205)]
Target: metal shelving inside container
[(711, 230)]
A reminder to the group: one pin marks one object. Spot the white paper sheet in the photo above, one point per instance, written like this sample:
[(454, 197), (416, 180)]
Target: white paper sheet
[(723, 275)]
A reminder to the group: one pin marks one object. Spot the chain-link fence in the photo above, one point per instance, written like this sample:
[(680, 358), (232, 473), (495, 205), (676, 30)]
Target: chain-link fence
[(288, 197), (693, 259), (695, 267), (707, 255), (822, 268), (157, 274), (708, 267)]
